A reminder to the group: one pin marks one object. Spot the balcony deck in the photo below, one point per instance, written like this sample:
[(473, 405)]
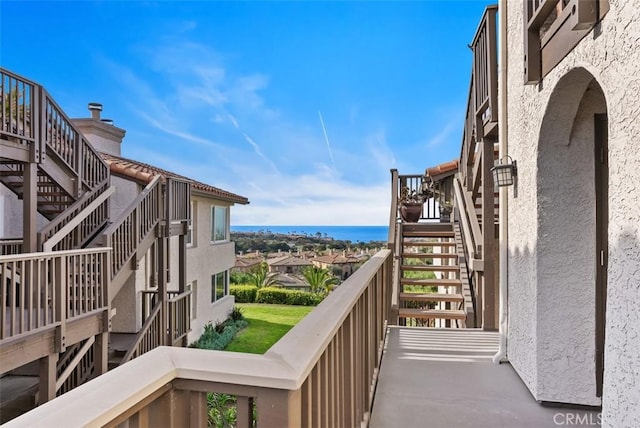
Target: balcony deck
[(445, 378)]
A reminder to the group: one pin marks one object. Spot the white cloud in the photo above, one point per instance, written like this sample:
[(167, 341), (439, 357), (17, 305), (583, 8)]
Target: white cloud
[(443, 135)]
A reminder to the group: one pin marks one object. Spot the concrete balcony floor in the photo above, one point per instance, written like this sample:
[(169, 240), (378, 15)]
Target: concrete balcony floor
[(445, 378)]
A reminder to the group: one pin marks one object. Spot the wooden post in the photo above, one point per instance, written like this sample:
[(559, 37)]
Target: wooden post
[(30, 208), (279, 408), (244, 412), (101, 356), (162, 286), (47, 372), (489, 321)]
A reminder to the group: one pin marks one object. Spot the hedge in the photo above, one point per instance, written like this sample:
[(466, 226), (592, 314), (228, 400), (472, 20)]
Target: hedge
[(282, 296), (244, 293)]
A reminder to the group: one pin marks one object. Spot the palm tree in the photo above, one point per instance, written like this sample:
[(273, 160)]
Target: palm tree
[(320, 280), (261, 277)]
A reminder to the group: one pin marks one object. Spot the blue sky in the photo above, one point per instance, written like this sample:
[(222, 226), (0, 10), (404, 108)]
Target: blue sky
[(232, 93)]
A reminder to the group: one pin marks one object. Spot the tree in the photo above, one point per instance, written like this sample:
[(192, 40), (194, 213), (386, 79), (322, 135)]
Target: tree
[(261, 277), (320, 280)]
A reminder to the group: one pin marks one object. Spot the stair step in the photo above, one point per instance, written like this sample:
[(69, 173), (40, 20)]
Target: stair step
[(431, 314), (431, 297), (431, 282), (430, 255), (430, 268), (428, 233), (52, 194), (428, 244)]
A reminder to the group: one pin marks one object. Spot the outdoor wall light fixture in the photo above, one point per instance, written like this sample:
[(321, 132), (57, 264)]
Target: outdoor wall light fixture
[(505, 172)]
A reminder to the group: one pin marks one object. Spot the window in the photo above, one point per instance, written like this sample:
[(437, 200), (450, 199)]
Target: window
[(219, 224), (193, 287), (191, 237), (219, 285)]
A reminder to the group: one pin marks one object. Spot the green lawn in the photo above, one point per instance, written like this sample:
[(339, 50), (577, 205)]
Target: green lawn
[(267, 324)]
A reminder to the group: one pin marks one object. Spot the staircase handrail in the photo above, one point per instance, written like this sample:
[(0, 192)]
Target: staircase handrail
[(393, 215), (62, 136), (468, 219), (71, 220), (133, 225), (149, 337)]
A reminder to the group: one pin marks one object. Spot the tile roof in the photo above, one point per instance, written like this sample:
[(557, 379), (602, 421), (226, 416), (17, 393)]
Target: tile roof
[(144, 173), (446, 168), (335, 259), (288, 260)]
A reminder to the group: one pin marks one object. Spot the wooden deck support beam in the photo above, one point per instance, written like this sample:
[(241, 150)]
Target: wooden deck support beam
[(30, 208), (489, 307)]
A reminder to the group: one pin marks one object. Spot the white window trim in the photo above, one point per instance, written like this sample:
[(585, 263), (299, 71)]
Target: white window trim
[(226, 226), (214, 286), (191, 228)]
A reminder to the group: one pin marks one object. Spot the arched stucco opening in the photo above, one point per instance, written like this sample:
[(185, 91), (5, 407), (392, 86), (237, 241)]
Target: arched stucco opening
[(567, 240)]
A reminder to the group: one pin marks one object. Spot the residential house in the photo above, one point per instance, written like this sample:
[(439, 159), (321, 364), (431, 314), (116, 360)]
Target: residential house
[(339, 263), (287, 264), (247, 262)]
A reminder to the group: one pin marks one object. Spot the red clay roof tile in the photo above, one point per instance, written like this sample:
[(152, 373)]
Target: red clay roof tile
[(144, 173)]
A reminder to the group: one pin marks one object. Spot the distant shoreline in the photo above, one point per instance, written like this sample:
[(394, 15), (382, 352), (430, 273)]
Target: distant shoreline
[(354, 234)]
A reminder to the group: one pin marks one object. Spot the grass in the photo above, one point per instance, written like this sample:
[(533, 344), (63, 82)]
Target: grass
[(267, 324)]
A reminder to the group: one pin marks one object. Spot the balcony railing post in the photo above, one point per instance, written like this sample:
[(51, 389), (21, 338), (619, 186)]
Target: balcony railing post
[(279, 408), (60, 285)]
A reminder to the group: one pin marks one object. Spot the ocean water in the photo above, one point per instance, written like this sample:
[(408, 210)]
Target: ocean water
[(344, 233)]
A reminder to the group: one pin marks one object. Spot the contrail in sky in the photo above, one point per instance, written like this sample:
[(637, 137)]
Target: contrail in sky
[(326, 138)]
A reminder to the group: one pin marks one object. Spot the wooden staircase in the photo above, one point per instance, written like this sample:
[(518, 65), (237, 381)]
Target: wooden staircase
[(430, 293), (56, 302)]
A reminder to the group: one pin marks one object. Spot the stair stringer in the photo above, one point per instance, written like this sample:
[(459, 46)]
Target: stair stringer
[(467, 292)]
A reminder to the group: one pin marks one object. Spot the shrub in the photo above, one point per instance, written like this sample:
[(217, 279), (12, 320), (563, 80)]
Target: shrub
[(218, 337), (236, 314), (282, 296), (244, 293)]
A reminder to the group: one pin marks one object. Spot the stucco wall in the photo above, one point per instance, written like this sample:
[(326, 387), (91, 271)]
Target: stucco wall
[(205, 259), (11, 211), (613, 58)]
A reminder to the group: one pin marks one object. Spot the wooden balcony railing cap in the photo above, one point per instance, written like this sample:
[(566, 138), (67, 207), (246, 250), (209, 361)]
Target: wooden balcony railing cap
[(52, 254), (490, 8)]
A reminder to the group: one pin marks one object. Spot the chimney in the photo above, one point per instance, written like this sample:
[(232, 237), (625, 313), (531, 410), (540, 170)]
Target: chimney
[(101, 133), (95, 109)]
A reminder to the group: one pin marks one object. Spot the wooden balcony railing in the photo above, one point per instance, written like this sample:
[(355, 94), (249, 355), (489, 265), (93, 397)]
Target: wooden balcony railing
[(321, 373), (42, 290), (78, 223), (179, 317), (150, 336), (553, 28), (10, 246), (18, 98), (69, 144), (134, 225), (485, 74), (149, 300), (178, 191)]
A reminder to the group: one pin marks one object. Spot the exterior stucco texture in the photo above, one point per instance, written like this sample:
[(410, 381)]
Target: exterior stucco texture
[(552, 222)]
